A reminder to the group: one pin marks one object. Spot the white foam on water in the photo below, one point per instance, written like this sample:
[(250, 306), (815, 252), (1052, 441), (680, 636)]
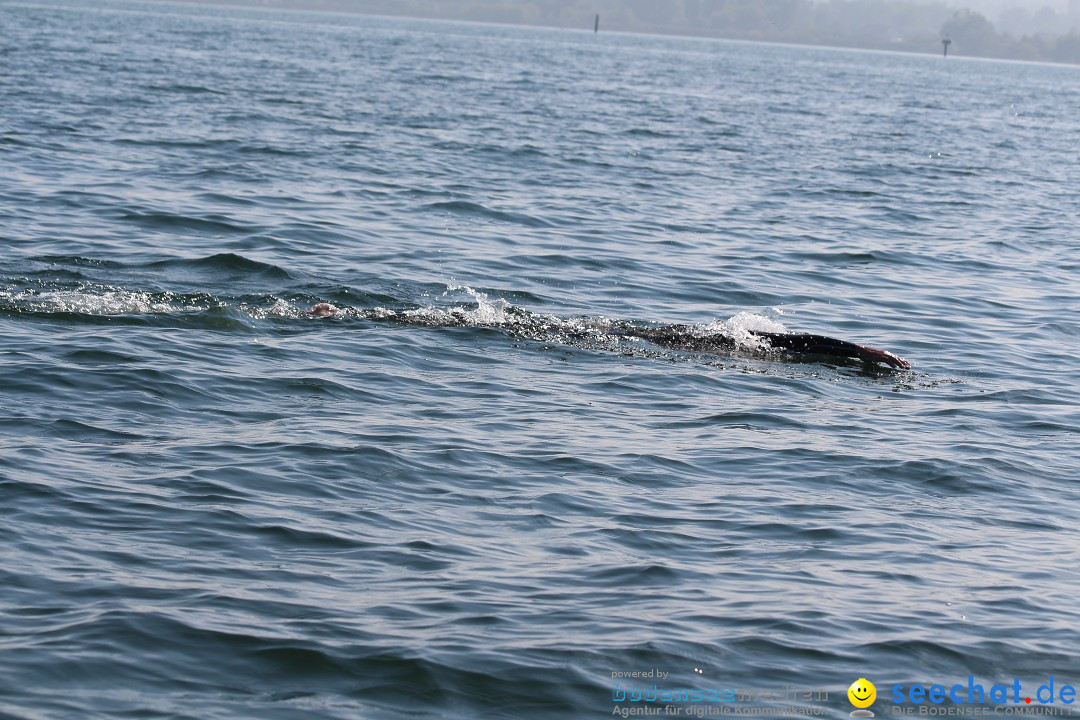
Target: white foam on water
[(98, 301), (280, 309), (740, 326), (487, 312)]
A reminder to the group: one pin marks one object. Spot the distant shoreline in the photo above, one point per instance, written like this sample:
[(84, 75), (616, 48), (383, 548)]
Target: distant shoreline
[(909, 47)]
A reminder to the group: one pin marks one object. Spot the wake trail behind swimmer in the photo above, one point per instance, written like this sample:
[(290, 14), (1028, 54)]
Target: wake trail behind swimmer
[(671, 337)]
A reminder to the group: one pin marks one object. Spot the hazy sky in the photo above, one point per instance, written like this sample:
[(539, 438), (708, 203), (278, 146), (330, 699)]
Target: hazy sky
[(992, 7)]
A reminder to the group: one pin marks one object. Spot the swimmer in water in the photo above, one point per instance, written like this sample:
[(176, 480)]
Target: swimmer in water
[(686, 338), (683, 337)]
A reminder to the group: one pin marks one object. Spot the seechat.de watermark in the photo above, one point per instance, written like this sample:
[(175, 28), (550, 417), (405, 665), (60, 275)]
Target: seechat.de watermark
[(972, 698), (633, 695)]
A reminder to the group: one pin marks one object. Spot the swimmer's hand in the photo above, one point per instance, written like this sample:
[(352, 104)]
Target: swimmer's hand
[(870, 354), (322, 310)]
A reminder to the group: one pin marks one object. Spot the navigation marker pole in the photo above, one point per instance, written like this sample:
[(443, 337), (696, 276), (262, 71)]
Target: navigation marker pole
[(945, 44), (596, 26)]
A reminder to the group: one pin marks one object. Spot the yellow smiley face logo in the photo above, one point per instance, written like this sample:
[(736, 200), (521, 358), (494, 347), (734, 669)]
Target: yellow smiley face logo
[(862, 693)]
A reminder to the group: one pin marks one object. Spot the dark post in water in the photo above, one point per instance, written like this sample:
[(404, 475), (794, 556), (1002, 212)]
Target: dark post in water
[(596, 26), (945, 44)]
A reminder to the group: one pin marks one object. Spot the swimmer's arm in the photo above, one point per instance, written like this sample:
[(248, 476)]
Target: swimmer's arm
[(822, 345)]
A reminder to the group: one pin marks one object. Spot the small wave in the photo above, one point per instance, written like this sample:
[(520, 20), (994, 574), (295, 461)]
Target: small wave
[(12, 139), (76, 431), (271, 150), (76, 260), (163, 143), (215, 224), (444, 78), (225, 262), (738, 419), (185, 89), (648, 133), (464, 207), (216, 197), (839, 258)]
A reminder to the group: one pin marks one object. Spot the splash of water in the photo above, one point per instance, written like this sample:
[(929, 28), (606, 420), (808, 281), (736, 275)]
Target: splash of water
[(99, 300), (740, 328)]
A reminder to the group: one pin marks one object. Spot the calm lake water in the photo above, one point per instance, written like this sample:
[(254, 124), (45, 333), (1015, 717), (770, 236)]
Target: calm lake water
[(217, 506)]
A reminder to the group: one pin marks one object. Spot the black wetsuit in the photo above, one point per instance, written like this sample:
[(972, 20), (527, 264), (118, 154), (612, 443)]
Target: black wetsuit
[(685, 337)]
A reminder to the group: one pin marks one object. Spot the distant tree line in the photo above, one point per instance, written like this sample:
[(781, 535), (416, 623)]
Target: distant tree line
[(909, 25), (976, 35)]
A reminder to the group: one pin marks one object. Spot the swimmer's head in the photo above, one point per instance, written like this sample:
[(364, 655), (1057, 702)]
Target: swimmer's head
[(323, 310)]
